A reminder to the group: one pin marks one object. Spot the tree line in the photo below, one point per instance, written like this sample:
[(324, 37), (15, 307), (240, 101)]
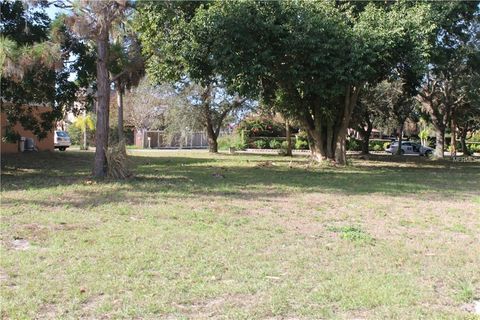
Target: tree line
[(326, 65)]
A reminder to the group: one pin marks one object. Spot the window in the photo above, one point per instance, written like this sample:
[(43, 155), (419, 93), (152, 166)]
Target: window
[(62, 134)]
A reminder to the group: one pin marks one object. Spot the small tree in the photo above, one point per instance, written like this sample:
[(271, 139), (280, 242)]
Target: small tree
[(84, 123), (365, 113), (398, 104), (145, 105), (198, 108), (180, 53)]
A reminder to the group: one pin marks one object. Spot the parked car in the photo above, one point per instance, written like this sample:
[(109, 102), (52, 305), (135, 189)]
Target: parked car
[(410, 148), (61, 140)]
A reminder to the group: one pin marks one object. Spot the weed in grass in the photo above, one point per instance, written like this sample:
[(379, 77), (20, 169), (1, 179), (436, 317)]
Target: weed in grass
[(405, 223), (353, 234), (458, 228), (465, 292)]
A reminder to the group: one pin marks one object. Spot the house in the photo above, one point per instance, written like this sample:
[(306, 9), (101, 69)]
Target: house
[(45, 144)]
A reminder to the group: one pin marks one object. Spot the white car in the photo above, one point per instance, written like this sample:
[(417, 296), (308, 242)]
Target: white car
[(61, 140), (410, 148)]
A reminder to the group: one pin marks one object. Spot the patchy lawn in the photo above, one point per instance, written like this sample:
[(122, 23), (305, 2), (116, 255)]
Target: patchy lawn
[(240, 237)]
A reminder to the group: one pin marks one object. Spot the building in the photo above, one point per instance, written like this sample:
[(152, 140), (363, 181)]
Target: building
[(45, 144), (158, 139)]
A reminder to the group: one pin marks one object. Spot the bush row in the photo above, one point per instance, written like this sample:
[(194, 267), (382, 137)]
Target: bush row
[(241, 142), (373, 145), (473, 147), (261, 127)]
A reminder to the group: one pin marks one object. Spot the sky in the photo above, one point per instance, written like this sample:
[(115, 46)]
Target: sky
[(52, 11)]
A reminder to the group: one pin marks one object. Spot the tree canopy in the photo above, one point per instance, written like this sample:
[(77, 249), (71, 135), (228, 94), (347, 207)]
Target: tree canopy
[(307, 59)]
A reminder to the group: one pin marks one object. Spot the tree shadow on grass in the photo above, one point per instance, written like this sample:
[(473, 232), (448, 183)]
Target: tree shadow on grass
[(261, 178)]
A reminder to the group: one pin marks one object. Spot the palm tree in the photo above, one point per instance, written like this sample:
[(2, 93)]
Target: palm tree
[(128, 68), (83, 123), (93, 20)]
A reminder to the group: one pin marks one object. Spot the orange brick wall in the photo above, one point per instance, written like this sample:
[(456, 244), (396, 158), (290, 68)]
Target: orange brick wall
[(45, 144)]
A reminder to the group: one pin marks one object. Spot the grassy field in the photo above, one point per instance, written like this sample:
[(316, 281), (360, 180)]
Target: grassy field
[(239, 237)]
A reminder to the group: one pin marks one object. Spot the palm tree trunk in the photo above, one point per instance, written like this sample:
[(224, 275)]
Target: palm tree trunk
[(103, 100), (84, 130), (121, 135)]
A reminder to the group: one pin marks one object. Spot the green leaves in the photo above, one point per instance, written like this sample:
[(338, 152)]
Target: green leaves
[(84, 122)]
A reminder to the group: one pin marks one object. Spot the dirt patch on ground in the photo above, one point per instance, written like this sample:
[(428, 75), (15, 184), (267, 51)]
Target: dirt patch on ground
[(47, 311), (214, 307)]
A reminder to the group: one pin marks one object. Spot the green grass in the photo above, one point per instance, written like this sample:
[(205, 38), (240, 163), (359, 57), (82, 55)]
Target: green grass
[(354, 234), (238, 237)]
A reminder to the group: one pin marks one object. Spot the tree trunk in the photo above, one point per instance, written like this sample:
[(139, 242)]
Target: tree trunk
[(366, 138), (212, 145), (85, 145), (103, 99), (350, 100), (330, 145), (400, 138), (453, 138), (315, 143), (84, 130), (121, 136), (341, 150), (365, 144), (212, 137), (317, 153), (327, 137), (209, 125), (463, 142), (289, 138), (211, 134), (440, 142)]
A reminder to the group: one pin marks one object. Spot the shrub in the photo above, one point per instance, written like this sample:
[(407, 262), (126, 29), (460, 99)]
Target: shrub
[(283, 148), (260, 144), (301, 145), (377, 145), (473, 147), (301, 141), (475, 137), (75, 135), (225, 142), (236, 141), (261, 127), (353, 145), (386, 145), (275, 144)]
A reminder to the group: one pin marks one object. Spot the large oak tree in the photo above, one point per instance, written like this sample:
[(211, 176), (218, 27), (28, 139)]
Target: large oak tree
[(308, 59)]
